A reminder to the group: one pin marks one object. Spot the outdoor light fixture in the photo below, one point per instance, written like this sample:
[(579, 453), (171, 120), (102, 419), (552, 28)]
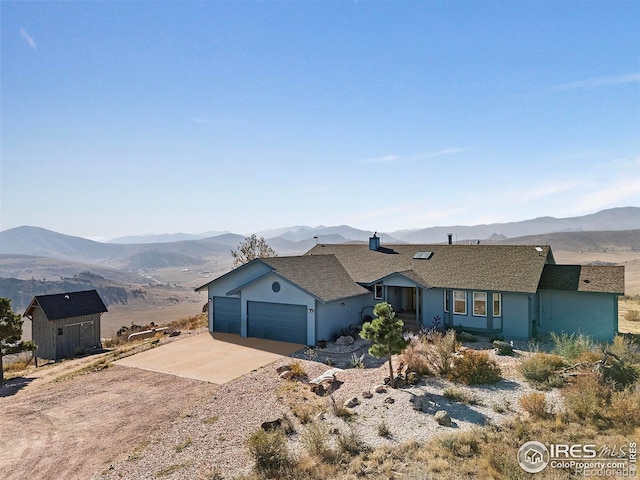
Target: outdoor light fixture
[(311, 310)]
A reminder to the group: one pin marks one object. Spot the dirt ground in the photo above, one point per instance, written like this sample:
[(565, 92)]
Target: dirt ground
[(73, 428)]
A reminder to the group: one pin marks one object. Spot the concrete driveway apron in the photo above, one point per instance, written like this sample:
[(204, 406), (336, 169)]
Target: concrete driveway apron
[(211, 357)]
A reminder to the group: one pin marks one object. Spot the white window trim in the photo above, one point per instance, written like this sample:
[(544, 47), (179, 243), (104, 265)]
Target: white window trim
[(445, 304), (493, 303), (479, 294), (465, 302), (375, 291)]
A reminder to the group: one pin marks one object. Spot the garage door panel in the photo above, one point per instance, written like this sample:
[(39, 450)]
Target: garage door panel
[(277, 321), (226, 315)]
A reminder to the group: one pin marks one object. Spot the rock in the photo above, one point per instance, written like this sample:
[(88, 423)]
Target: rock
[(272, 425), (317, 388), (388, 400), (466, 337), (443, 418), (412, 378), (352, 402), (286, 375), (380, 389), (322, 344), (367, 394), (503, 348), (283, 368), (399, 381), (345, 340)]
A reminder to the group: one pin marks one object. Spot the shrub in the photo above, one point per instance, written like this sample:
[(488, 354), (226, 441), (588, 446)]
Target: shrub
[(540, 369), (571, 346), (297, 370), (439, 350), (463, 444), (632, 316), (270, 453), (415, 359), (315, 440), (625, 349), (352, 444), (456, 395), (474, 368), (340, 411), (535, 404), (357, 361), (383, 429), (624, 411), (586, 398)]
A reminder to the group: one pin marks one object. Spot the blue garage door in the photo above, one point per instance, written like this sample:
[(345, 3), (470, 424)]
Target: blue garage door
[(277, 321), (226, 315)]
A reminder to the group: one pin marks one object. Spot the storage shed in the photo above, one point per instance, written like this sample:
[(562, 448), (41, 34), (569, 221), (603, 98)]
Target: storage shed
[(65, 324)]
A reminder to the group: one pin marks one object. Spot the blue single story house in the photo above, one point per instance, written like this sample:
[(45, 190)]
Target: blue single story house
[(516, 291)]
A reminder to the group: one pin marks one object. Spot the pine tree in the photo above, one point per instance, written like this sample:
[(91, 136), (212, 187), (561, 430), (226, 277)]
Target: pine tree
[(385, 331), (10, 334)]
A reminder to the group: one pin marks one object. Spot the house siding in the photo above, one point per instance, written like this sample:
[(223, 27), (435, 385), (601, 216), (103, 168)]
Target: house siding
[(43, 334), (595, 314), (333, 316), (515, 316)]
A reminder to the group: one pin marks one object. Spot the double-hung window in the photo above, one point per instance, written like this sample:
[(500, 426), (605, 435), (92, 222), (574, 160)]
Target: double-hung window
[(480, 304), (497, 304), (460, 302)]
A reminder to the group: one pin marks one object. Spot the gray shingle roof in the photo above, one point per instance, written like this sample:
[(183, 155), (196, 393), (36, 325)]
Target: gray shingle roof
[(322, 276), (507, 268), (66, 305), (583, 278)]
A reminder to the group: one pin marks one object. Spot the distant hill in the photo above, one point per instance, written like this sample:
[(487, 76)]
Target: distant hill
[(603, 242), (624, 218)]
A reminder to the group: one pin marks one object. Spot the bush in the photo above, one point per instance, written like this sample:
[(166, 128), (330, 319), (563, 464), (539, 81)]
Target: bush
[(463, 444), (474, 368), (624, 411), (456, 395), (351, 444), (439, 349), (586, 398), (540, 369), (535, 404), (270, 453), (572, 346), (414, 357), (297, 370), (315, 440), (625, 349), (632, 316)]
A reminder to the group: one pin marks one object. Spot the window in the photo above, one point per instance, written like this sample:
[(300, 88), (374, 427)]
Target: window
[(377, 291), (480, 304), (59, 331), (446, 301), (497, 304), (275, 286), (460, 302)]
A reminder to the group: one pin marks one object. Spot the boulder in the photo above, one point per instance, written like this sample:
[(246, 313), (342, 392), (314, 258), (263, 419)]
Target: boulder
[(352, 402), (443, 418), (380, 389), (283, 368), (412, 378), (388, 400), (503, 348), (286, 375), (367, 394), (399, 381), (272, 425), (345, 340), (466, 337)]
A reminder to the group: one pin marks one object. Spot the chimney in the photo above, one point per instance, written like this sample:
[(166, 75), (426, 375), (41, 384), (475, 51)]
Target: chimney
[(374, 242), (450, 238)]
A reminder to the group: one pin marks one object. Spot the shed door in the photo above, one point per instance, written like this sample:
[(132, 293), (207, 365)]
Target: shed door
[(277, 321), (226, 315)]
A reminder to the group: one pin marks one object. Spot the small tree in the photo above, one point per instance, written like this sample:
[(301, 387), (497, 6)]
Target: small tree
[(250, 248), (386, 334), (10, 334)]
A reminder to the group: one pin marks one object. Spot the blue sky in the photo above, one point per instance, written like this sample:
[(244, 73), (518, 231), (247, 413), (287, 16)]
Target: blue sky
[(136, 117)]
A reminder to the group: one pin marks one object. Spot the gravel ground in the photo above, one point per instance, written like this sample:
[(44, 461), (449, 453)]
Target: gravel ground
[(210, 437)]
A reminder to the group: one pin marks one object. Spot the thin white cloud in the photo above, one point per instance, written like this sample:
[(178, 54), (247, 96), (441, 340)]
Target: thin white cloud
[(425, 156), (548, 189), (623, 191), (28, 38), (610, 81)]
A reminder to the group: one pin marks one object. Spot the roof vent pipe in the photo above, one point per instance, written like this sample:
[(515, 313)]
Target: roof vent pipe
[(450, 238), (374, 242)]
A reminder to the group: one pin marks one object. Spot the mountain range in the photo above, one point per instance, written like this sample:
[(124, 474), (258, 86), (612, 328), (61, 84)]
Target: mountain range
[(141, 256)]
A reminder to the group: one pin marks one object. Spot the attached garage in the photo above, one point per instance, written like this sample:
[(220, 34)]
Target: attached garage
[(226, 315), (277, 321)]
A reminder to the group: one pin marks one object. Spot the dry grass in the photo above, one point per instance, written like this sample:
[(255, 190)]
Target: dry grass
[(535, 404)]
